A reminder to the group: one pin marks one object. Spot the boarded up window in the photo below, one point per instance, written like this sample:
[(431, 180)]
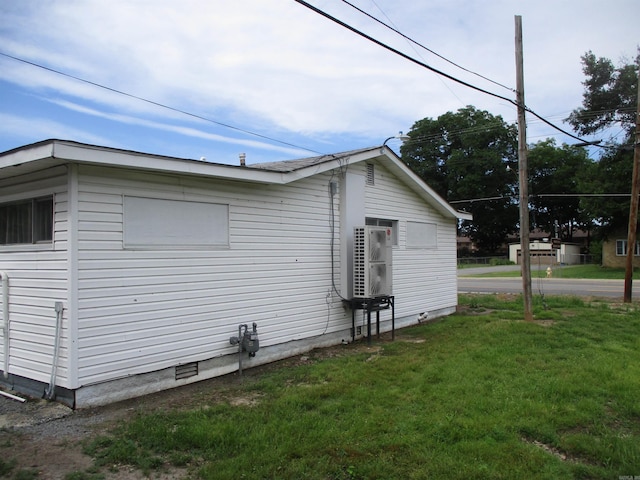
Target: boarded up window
[(153, 222), (422, 235)]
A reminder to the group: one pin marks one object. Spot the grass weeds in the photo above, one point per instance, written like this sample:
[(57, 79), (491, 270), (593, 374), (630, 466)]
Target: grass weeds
[(480, 394)]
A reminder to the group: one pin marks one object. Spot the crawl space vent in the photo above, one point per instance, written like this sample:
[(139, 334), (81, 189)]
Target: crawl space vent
[(187, 370)]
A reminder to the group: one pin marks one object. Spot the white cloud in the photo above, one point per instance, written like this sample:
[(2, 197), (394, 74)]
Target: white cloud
[(17, 127), (277, 68)]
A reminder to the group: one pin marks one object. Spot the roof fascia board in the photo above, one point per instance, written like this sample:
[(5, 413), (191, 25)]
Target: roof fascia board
[(38, 151), (110, 157), (72, 152)]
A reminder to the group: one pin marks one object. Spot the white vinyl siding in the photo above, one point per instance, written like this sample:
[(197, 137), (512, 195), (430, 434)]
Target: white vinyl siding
[(143, 310), (37, 279), (424, 279)]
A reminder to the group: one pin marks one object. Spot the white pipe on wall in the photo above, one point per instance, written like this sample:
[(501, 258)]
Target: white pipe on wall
[(51, 389), (4, 278)]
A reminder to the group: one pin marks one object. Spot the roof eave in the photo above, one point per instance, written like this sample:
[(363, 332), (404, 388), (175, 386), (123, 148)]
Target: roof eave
[(72, 152)]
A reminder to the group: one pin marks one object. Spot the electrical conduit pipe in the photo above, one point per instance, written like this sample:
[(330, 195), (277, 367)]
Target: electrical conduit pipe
[(4, 279), (50, 391)]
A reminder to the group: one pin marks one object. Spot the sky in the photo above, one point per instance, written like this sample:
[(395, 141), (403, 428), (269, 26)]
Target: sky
[(277, 81)]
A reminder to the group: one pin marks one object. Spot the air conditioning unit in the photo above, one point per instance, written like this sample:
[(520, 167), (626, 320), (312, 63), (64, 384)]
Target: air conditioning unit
[(372, 264)]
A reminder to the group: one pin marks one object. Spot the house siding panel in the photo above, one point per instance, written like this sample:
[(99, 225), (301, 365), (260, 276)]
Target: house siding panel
[(37, 279), (144, 310), (424, 279)]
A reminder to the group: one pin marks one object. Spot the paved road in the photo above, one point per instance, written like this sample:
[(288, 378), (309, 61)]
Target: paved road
[(547, 286)]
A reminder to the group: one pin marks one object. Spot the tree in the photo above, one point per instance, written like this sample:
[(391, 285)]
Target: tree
[(609, 97), (463, 156), (611, 174), (554, 185)]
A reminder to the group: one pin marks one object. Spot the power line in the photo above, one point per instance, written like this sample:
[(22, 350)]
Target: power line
[(424, 47), (158, 104), (559, 195), (428, 67), (401, 54)]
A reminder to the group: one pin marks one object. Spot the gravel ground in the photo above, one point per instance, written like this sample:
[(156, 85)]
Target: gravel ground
[(46, 437)]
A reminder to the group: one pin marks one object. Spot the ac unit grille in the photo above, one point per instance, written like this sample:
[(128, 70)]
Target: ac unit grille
[(372, 265)]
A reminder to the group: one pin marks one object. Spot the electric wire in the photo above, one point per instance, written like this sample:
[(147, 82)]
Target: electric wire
[(401, 54), (158, 104), (413, 47), (343, 24), (429, 67), (406, 37)]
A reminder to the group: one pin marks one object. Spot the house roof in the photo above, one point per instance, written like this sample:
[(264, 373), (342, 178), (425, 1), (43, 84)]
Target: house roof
[(50, 153)]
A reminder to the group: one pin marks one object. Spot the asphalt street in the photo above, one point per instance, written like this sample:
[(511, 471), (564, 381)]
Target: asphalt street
[(468, 282)]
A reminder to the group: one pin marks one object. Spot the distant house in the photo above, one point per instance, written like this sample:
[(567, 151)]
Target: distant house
[(614, 251), (126, 273), (546, 253)]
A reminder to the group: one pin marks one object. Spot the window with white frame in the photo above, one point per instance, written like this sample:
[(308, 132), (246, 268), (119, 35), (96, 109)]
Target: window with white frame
[(28, 221), (162, 223), (383, 222), (621, 248)]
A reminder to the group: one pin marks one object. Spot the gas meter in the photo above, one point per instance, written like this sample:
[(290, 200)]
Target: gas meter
[(246, 340), (250, 342)]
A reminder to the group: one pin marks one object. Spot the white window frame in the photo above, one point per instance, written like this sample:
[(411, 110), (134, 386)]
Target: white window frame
[(621, 248), (39, 222)]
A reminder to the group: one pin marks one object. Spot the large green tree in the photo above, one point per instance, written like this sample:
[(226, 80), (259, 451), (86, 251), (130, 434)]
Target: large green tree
[(609, 97), (463, 156), (554, 174), (609, 100)]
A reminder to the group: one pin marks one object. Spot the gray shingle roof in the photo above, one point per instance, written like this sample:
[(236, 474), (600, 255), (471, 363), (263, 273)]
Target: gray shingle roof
[(287, 166)]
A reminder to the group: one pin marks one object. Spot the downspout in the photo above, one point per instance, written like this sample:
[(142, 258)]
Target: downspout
[(50, 391), (4, 278)]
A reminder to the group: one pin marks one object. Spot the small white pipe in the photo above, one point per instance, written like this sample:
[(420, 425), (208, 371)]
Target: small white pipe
[(4, 278), (13, 397), (50, 391)]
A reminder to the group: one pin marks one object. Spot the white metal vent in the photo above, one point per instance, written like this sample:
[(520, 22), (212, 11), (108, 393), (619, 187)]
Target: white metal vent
[(371, 174), (372, 262)]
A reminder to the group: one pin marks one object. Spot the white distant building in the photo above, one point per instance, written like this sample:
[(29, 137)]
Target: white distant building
[(545, 253)]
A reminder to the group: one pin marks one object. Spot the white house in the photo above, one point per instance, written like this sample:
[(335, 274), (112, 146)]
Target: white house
[(546, 253), (126, 273)]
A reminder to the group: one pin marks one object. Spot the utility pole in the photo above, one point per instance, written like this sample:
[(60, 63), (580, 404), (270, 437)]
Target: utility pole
[(633, 208), (523, 177)]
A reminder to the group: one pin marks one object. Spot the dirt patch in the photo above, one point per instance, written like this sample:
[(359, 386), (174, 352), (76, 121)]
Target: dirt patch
[(549, 449), (47, 437)]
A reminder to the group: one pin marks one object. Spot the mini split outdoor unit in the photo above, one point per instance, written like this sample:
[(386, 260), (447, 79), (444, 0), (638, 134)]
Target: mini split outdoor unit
[(372, 249)]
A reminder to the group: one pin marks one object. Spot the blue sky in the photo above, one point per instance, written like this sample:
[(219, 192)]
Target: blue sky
[(298, 83)]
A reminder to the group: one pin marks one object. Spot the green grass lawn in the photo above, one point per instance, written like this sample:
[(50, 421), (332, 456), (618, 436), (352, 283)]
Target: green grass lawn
[(478, 395), (567, 271)]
